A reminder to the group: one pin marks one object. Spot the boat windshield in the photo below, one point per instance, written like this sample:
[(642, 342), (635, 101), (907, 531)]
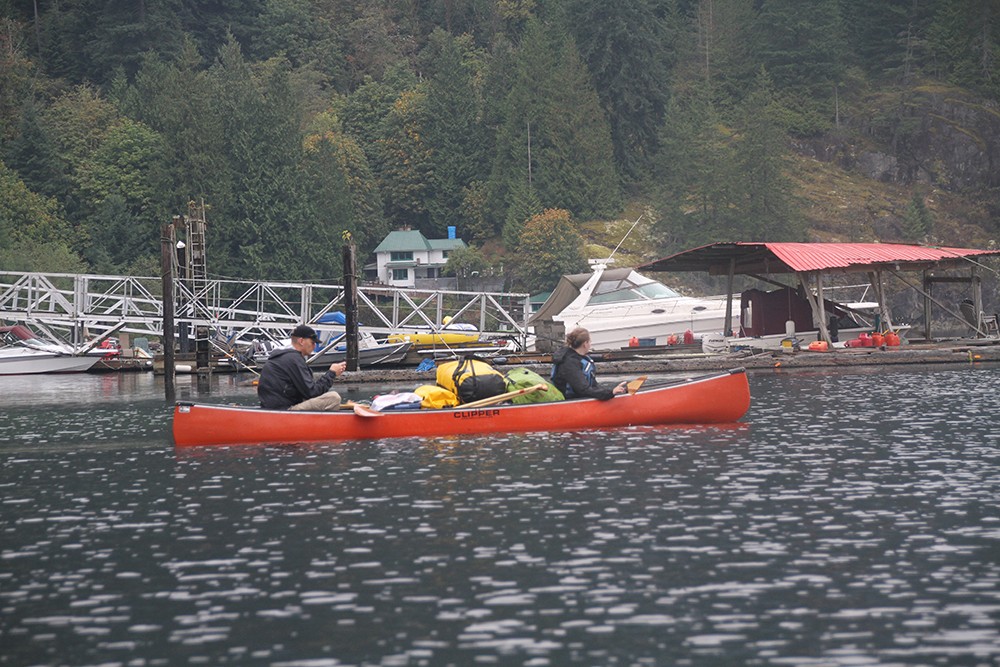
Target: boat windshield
[(623, 290)]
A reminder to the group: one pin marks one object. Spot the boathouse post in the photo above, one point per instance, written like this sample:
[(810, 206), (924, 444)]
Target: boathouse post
[(816, 303), (875, 278), (977, 296), (729, 297), (928, 286), (167, 283), (351, 304)]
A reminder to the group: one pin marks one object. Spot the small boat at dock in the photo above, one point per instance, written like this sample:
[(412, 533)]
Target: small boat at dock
[(371, 352), (451, 334), (718, 398), (23, 353)]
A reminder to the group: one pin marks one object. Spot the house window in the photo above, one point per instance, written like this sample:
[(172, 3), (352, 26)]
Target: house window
[(400, 274), (401, 256)]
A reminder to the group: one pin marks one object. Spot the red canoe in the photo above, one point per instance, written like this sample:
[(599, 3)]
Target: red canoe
[(710, 399)]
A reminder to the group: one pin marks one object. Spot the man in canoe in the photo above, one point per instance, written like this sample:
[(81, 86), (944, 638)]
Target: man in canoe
[(573, 369), (287, 383)]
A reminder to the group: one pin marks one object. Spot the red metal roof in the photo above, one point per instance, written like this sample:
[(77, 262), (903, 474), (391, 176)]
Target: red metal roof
[(796, 257)]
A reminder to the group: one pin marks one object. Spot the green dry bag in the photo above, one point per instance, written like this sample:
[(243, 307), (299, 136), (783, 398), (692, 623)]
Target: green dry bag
[(522, 378)]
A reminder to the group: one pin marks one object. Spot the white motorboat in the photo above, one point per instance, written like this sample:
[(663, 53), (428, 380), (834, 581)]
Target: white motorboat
[(22, 353), (619, 305)]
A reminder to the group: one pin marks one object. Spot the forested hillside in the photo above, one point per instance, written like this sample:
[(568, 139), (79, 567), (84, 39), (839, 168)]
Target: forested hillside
[(297, 120)]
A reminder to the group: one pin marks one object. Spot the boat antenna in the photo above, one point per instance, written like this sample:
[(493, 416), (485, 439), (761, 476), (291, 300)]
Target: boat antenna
[(624, 237)]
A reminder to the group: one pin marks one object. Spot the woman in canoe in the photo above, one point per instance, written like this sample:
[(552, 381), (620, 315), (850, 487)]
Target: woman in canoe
[(573, 369)]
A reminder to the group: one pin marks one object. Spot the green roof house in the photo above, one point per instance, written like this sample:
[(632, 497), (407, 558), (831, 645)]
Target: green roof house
[(405, 257)]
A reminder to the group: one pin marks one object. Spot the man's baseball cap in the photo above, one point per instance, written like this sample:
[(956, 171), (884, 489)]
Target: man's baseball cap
[(305, 331)]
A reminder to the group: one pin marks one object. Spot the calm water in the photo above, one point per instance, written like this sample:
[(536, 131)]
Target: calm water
[(852, 519)]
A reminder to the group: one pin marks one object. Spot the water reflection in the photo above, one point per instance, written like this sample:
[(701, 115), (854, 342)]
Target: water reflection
[(850, 520)]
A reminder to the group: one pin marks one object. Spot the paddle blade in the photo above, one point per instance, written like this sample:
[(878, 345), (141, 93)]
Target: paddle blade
[(365, 411), (634, 385)]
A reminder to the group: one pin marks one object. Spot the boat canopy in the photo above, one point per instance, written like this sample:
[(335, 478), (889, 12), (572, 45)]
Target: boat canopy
[(763, 258)]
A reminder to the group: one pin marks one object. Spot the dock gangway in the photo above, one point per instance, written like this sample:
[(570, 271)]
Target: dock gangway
[(78, 307)]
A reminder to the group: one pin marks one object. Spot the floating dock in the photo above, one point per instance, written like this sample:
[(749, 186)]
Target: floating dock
[(683, 360)]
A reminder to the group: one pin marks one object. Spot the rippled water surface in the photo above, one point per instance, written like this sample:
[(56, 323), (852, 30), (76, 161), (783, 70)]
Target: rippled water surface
[(851, 519)]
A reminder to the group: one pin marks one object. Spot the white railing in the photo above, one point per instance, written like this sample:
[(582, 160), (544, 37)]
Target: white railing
[(86, 305)]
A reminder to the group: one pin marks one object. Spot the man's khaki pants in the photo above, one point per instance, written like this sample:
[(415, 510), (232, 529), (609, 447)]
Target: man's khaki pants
[(328, 401)]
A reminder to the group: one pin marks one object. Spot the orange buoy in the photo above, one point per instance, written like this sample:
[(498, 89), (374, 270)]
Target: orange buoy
[(633, 342), (892, 339), (819, 346)]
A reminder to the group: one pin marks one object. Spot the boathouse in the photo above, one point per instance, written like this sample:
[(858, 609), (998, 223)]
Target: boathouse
[(812, 263)]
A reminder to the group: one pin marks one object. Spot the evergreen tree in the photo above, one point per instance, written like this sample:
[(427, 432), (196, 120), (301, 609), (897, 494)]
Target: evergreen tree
[(260, 237), (873, 30), (454, 134), (554, 136), (404, 164), (725, 48), (918, 222), (576, 156), (370, 224), (17, 71), (803, 47), (695, 175), (178, 99), (125, 177), (765, 212), (550, 247), (363, 111), (309, 33), (332, 154), (117, 236), (378, 40), (33, 235), (331, 209), (78, 121), (91, 39), (341, 191), (964, 40), (33, 153), (524, 204), (629, 49)]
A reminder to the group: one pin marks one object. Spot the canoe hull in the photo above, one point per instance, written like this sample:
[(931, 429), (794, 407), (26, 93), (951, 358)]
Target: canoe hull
[(713, 399)]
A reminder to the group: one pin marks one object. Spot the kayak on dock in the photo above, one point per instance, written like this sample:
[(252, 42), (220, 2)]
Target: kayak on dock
[(718, 398)]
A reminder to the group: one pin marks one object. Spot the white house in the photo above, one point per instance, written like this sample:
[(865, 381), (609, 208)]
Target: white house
[(404, 256)]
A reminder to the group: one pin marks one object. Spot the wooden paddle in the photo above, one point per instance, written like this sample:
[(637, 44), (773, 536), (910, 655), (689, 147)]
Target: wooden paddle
[(365, 411), (500, 398), (360, 409), (633, 386)]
